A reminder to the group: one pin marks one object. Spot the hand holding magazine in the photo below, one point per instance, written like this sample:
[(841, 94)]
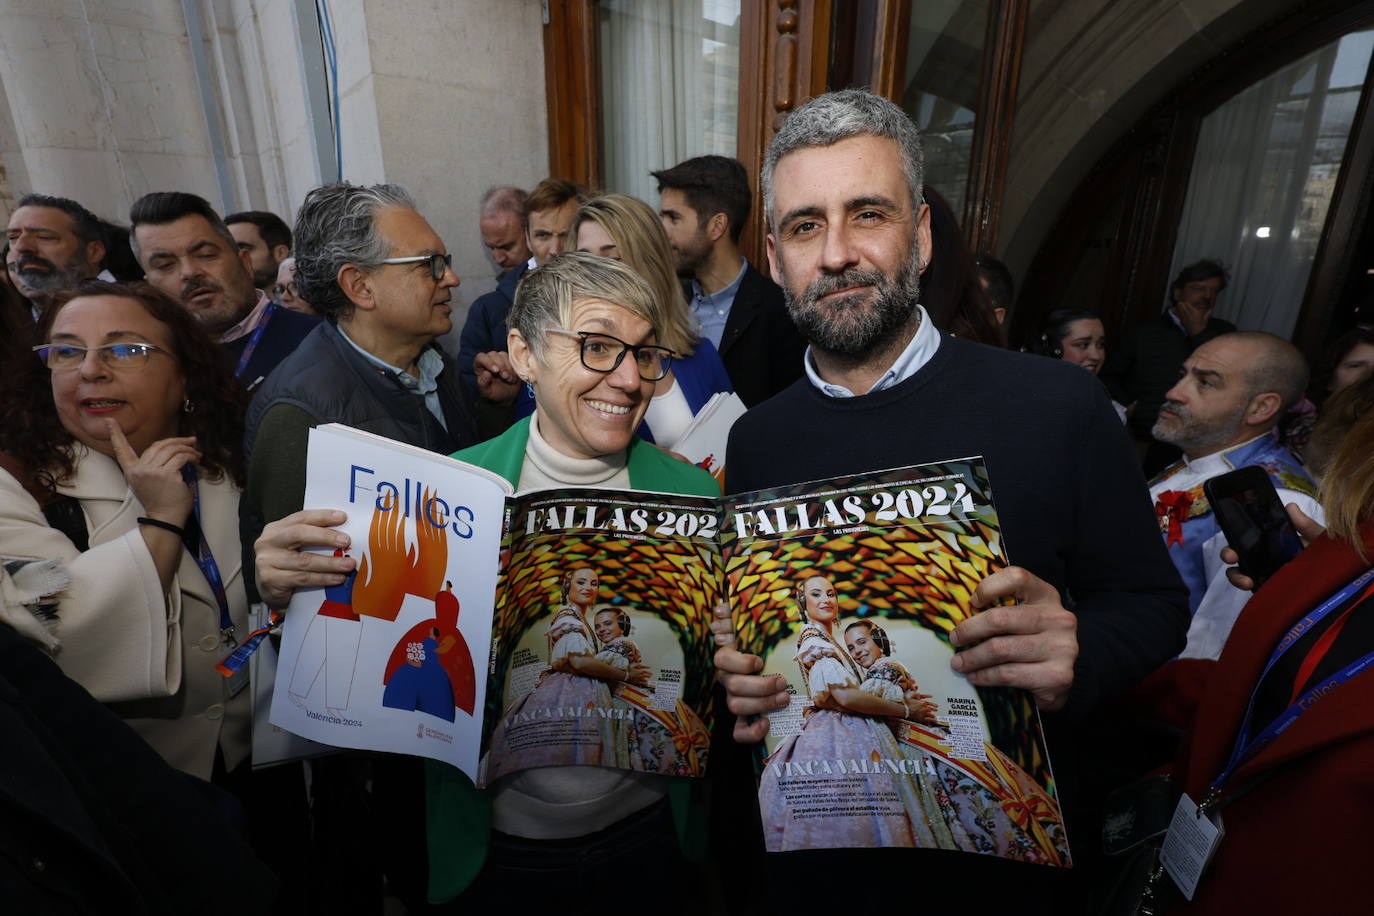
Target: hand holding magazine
[(499, 632)]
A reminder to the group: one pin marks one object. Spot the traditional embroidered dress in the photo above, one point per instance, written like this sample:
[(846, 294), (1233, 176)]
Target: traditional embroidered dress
[(829, 786), (562, 720), (971, 813), (1194, 537), (670, 742)]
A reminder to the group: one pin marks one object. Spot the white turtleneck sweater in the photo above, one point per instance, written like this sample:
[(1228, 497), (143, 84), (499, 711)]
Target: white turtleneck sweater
[(552, 803)]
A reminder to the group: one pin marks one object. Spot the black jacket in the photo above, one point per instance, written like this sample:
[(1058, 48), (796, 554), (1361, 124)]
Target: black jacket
[(92, 820), (761, 347)]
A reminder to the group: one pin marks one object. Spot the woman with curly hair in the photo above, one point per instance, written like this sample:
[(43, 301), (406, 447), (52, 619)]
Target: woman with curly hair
[(120, 446)]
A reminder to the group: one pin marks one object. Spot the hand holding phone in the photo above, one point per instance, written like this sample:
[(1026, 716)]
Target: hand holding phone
[(1254, 520)]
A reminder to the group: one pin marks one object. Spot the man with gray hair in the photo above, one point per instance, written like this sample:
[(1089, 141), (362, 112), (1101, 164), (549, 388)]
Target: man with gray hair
[(54, 244), (502, 223), (1222, 414), (381, 277), (849, 236)]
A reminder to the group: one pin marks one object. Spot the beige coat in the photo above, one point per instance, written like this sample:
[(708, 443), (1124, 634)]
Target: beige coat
[(150, 656)]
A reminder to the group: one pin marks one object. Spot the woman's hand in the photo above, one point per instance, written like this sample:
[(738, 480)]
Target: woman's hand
[(920, 708), (155, 476), (284, 564), (639, 674), (747, 694), (1308, 531)]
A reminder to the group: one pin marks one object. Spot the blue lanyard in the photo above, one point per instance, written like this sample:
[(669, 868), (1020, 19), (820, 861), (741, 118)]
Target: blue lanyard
[(1245, 747), (206, 560), (253, 340)]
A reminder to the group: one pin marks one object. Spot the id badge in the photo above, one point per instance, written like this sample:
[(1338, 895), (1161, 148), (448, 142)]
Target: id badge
[(1190, 844), (237, 681)]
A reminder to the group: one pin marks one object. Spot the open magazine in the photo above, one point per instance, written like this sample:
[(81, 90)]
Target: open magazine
[(849, 588), (499, 632)]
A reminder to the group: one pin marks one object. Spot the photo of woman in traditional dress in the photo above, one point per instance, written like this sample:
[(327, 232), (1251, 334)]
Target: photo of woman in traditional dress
[(808, 804), (551, 725), (971, 799), (666, 741)]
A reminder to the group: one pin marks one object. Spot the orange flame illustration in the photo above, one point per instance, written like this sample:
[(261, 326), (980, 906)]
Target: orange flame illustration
[(390, 570)]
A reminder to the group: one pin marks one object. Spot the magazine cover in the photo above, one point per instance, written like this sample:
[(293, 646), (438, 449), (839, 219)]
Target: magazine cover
[(602, 652), (849, 588), (393, 659)]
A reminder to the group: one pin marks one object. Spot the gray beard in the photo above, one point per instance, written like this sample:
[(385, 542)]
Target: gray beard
[(851, 326), (1185, 434), (64, 277)]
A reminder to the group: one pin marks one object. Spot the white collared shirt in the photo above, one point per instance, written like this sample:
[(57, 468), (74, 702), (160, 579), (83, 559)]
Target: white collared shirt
[(918, 352)]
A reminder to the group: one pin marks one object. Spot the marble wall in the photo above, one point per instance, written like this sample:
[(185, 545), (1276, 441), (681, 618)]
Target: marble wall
[(101, 101)]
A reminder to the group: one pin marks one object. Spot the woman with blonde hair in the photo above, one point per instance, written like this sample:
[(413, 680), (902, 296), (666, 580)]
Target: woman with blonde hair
[(1284, 733), (625, 228)]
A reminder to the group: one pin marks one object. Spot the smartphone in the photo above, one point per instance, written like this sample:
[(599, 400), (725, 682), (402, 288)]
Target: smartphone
[(1254, 521)]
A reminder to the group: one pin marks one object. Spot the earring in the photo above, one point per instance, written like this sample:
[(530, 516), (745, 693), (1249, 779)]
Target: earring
[(529, 387), (187, 406)]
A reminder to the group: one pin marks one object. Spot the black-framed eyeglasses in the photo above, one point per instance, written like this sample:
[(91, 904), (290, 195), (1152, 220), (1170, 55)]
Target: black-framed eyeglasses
[(604, 353), (438, 263), (281, 289), (59, 357)]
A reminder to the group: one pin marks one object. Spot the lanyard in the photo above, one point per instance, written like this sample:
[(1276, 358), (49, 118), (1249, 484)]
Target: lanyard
[(254, 338), (236, 659), (1246, 747), (206, 560)]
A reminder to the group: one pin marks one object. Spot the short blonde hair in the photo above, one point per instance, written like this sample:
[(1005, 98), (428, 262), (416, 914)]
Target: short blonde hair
[(545, 297), (643, 245)]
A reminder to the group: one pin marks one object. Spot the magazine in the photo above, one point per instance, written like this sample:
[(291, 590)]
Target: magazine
[(703, 442), (498, 632), (849, 588)]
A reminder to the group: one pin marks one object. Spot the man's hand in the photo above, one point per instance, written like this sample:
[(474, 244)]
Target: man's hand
[(496, 378), (1308, 531), (747, 695), (284, 565), (1032, 644)]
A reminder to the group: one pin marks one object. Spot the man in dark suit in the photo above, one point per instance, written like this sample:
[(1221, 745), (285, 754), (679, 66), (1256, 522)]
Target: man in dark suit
[(704, 203)]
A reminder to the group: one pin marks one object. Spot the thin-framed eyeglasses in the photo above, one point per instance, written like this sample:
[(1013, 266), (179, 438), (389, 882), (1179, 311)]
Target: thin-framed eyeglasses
[(61, 357), (438, 263), (281, 289), (604, 353)]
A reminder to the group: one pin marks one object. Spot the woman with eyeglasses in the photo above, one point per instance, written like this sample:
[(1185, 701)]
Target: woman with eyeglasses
[(585, 333), (623, 227), (120, 440), (286, 292)]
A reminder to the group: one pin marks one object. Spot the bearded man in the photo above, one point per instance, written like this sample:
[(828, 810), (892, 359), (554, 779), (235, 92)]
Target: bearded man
[(1221, 413), (54, 244), (1096, 603)]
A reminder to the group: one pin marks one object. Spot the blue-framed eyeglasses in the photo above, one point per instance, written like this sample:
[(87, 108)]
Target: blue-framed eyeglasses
[(59, 357)]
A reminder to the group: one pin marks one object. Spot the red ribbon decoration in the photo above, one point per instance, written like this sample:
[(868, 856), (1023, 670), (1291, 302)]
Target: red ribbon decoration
[(1174, 505)]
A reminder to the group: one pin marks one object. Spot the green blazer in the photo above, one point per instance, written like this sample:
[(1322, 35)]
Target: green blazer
[(458, 814)]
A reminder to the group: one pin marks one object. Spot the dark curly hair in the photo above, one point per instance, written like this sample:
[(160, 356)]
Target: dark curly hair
[(31, 431)]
